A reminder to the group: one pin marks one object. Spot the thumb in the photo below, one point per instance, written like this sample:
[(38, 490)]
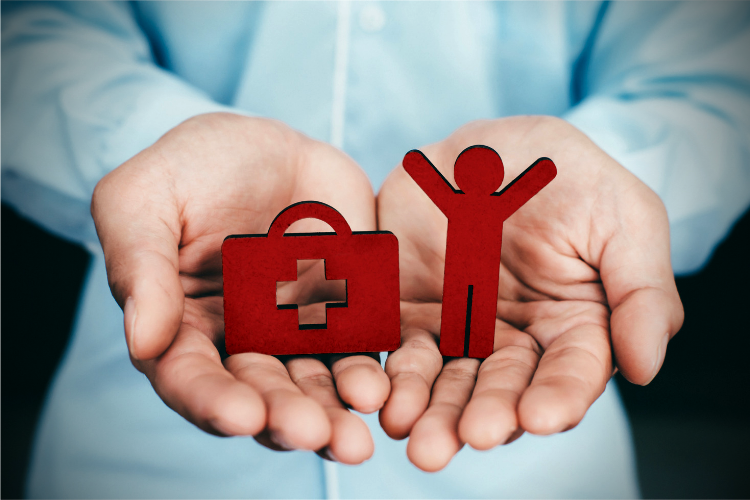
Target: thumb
[(637, 274), (139, 230)]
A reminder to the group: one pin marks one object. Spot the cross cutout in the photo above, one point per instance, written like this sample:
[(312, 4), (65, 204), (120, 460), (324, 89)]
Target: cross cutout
[(312, 286)]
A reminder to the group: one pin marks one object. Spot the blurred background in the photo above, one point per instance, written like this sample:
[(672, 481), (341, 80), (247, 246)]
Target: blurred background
[(691, 425)]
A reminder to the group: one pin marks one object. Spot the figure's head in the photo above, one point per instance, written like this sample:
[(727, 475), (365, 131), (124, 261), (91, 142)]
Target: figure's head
[(478, 170)]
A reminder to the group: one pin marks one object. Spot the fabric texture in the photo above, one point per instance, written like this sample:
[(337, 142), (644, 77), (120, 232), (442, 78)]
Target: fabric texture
[(659, 86)]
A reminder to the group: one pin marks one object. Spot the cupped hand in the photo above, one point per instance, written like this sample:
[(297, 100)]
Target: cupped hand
[(586, 287), (162, 217)]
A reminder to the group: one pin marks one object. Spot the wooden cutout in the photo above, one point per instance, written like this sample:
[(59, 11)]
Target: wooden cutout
[(309, 311), (475, 235), (252, 265)]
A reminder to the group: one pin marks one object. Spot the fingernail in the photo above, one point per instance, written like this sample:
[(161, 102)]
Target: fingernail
[(221, 427), (328, 455), (279, 441), (660, 354), (130, 316)]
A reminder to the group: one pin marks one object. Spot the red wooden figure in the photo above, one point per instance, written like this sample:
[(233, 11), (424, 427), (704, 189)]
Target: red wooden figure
[(475, 234), (368, 320)]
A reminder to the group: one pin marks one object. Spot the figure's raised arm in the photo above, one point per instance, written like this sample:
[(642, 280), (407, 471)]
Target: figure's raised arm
[(429, 179), (526, 185)]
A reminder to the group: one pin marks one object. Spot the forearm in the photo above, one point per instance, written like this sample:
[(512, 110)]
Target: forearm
[(81, 94)]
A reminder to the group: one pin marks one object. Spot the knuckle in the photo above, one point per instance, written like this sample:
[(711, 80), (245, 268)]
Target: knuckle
[(450, 407), (421, 344), (245, 364), (316, 380), (511, 357), (459, 372), (415, 359)]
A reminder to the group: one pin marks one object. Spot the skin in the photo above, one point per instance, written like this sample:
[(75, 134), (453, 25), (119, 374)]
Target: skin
[(161, 218), (585, 276), (586, 287)]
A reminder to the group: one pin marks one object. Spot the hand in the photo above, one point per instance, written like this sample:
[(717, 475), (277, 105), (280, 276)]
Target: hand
[(585, 274), (162, 217)]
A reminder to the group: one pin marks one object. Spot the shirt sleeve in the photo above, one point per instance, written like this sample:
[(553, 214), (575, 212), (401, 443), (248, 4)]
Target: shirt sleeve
[(81, 94), (665, 91)]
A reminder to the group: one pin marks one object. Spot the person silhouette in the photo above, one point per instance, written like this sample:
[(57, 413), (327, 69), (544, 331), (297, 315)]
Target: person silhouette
[(475, 234)]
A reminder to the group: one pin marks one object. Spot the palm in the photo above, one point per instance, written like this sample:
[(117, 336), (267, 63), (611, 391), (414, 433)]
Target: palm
[(572, 254), (245, 187), (162, 218)]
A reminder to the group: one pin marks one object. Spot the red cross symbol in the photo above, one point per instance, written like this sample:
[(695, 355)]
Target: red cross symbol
[(311, 294)]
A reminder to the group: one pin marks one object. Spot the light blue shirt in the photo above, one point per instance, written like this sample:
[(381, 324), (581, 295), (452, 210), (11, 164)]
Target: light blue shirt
[(662, 87)]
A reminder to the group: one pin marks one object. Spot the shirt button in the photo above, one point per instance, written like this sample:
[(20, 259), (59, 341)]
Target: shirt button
[(372, 18)]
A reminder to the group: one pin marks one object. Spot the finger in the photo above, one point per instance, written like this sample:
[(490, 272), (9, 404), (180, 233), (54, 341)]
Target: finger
[(571, 375), (191, 380), (294, 421), (642, 325), (434, 439), (490, 416), (638, 278), (350, 441), (361, 382), (412, 369), (140, 232)]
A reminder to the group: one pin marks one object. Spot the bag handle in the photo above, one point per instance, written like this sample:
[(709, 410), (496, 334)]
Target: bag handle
[(309, 210)]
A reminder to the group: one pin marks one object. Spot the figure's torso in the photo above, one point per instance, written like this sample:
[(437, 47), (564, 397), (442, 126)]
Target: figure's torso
[(475, 235)]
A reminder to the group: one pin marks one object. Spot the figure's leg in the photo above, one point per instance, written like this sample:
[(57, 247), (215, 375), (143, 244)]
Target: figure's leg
[(453, 316), (472, 265), (483, 314)]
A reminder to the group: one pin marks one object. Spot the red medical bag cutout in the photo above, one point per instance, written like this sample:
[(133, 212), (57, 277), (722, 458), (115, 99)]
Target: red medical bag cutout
[(474, 239), (369, 320)]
